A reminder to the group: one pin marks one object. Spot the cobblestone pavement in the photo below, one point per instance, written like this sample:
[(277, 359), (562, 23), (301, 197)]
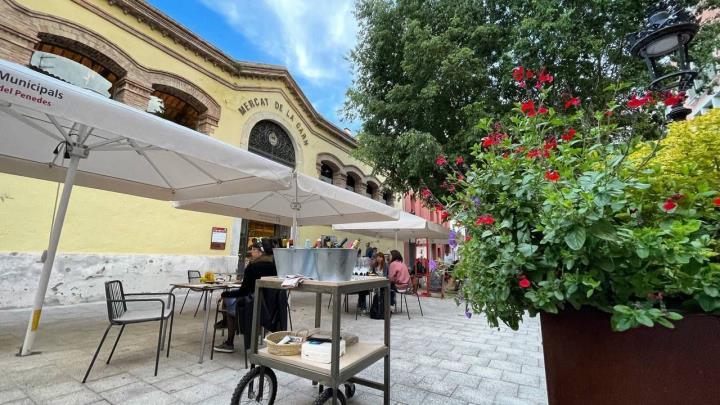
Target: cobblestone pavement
[(441, 358)]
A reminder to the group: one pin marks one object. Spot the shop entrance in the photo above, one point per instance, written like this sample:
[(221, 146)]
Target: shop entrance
[(255, 230)]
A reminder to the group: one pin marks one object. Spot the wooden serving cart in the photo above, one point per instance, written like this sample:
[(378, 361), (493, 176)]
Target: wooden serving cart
[(259, 385)]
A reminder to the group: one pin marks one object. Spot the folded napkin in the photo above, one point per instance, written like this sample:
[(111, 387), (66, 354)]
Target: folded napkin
[(293, 280)]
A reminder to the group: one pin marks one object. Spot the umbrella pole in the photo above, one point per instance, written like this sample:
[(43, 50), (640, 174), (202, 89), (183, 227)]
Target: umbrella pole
[(396, 246), (50, 259)]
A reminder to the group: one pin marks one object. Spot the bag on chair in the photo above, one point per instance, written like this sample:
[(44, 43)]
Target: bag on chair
[(377, 309)]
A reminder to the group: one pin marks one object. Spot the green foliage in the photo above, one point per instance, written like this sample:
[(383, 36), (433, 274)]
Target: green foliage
[(576, 218), (431, 69)]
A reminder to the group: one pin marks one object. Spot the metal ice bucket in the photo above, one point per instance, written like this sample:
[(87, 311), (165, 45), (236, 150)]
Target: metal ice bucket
[(320, 264)]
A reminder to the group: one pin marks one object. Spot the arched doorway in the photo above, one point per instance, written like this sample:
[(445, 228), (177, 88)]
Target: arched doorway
[(270, 140)]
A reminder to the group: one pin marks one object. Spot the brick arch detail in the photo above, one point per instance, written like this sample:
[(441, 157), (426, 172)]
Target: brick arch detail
[(134, 85)]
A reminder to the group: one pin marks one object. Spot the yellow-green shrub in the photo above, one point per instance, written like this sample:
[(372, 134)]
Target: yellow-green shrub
[(688, 157)]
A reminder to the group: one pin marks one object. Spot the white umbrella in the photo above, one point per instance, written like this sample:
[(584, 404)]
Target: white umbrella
[(47, 127), (408, 226), (308, 202)]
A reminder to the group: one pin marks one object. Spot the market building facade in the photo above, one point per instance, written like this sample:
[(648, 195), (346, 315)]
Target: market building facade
[(134, 54)]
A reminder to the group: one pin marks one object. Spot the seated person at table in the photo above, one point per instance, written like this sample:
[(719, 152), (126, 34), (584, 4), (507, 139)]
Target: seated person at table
[(261, 265), (398, 274), (377, 267)]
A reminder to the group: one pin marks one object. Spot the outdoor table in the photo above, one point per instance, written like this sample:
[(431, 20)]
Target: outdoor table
[(209, 288)]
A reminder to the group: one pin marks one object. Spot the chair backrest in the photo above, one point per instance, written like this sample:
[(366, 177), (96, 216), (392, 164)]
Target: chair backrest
[(193, 276), (115, 296)]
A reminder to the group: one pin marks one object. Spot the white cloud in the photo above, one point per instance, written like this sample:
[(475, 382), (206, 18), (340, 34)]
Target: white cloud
[(311, 37)]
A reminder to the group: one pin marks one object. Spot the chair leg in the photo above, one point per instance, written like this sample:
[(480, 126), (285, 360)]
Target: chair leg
[(172, 318), (157, 354), (401, 304), (183, 305), (122, 328), (202, 298), (330, 301), (212, 345), (407, 307), (419, 304), (289, 315), (87, 373)]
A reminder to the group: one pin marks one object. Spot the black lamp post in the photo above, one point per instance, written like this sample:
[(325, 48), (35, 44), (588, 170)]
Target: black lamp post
[(663, 44)]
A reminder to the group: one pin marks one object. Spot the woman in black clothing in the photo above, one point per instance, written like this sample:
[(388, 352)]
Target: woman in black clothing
[(261, 265)]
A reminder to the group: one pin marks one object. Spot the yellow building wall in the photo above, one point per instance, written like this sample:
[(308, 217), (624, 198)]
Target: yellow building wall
[(100, 221)]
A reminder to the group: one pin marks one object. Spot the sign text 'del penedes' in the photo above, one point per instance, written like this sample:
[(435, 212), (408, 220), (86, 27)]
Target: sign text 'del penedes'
[(28, 90), (260, 102)]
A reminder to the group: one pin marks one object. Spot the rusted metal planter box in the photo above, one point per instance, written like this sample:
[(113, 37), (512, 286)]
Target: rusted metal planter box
[(587, 363)]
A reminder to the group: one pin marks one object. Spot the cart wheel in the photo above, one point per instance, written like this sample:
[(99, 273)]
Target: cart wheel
[(326, 397), (246, 390), (349, 390)]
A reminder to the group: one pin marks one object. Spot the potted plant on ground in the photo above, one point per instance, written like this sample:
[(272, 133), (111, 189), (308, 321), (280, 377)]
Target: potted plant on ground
[(562, 219)]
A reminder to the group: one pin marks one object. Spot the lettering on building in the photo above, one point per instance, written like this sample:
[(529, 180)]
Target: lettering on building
[(280, 108)]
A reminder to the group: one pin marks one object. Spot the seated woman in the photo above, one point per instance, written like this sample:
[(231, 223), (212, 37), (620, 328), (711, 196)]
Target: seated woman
[(261, 265), (377, 267), (398, 274)]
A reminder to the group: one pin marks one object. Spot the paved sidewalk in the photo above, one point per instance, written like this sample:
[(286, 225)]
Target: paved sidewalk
[(441, 358)]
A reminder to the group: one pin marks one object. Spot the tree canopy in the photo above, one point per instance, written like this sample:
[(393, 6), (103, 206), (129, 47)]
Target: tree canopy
[(427, 71)]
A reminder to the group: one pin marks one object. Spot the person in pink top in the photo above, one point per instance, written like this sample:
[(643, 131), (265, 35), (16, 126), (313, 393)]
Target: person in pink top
[(398, 274)]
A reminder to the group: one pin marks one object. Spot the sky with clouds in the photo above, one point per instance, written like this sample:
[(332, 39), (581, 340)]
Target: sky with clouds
[(312, 38)]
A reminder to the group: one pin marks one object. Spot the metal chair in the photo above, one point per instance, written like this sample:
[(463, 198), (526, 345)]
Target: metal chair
[(403, 296), (194, 278), (119, 314)]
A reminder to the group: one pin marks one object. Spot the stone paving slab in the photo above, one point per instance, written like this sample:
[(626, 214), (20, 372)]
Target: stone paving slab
[(441, 358)]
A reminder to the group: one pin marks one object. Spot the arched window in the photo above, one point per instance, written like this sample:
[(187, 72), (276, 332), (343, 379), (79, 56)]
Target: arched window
[(174, 109), (350, 182), (370, 190), (270, 140), (74, 67), (388, 197), (326, 173)]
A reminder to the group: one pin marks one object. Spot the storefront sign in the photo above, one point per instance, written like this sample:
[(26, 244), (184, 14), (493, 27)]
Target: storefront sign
[(280, 108), (218, 238)]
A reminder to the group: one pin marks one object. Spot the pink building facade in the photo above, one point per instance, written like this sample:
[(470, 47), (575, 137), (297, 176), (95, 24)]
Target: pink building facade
[(418, 248)]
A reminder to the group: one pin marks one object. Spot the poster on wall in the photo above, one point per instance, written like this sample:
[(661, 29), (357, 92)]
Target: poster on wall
[(218, 238)]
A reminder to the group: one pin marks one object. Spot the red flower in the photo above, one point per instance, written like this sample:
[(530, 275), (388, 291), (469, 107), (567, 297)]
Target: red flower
[(426, 193), (569, 135), (609, 113), (468, 238), (524, 283), (716, 201), (522, 84), (459, 160), (538, 85), (439, 207), (451, 188), (528, 108), (489, 141), (529, 74), (573, 102), (520, 149), (550, 144), (533, 154), (669, 205), (542, 110), (518, 73), (635, 102), (673, 100), (546, 154), (552, 175), (460, 177), (485, 220), (545, 77), (444, 216), (440, 160), (506, 155)]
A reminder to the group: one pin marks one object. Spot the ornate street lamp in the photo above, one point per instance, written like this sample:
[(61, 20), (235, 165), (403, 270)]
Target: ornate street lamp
[(663, 45)]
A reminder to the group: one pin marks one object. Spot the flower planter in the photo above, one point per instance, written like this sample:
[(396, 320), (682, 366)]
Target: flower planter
[(587, 363)]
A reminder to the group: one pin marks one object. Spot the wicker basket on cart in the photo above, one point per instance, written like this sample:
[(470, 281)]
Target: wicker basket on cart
[(288, 349)]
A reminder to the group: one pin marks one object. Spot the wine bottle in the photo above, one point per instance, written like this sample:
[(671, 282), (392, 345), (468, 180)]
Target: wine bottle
[(344, 241)]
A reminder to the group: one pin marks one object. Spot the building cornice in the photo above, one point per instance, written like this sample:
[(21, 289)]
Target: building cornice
[(159, 21)]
